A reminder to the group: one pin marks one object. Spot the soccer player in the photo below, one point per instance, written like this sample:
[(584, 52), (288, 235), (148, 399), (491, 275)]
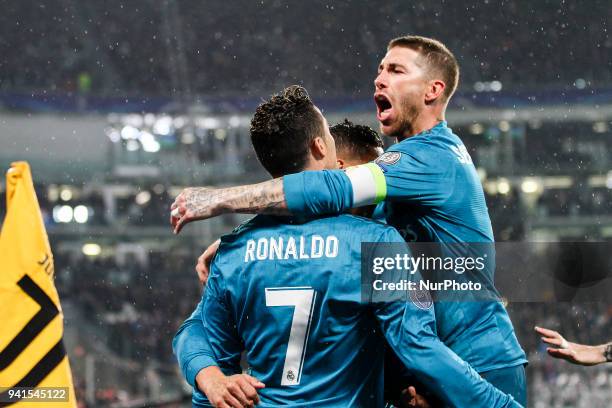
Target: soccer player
[(288, 290), (430, 189), (355, 145)]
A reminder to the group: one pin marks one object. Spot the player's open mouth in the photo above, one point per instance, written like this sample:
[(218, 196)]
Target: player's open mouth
[(383, 107)]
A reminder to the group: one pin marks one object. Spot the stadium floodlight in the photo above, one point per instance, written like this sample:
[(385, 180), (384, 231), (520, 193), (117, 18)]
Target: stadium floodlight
[(504, 126), (132, 146), (143, 197), (496, 86), (81, 214), (66, 194), (159, 189), (179, 122), (530, 185), (220, 134), (149, 119), (600, 127), (476, 129), (479, 86), (113, 134), (188, 137), (148, 142), (91, 249), (62, 213), (133, 119), (129, 133), (503, 186), (234, 121), (208, 123), (580, 83), (163, 126), (53, 193)]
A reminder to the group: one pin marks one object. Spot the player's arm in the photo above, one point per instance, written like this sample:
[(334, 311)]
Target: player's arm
[(199, 203), (411, 332), (191, 347), (575, 353), (220, 329), (439, 368), (199, 367), (405, 177)]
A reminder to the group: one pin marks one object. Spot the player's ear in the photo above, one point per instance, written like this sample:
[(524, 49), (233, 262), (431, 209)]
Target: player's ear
[(318, 148), (434, 91), (340, 163)]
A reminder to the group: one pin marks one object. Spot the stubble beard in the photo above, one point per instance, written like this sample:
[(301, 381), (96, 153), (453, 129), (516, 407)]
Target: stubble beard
[(407, 115)]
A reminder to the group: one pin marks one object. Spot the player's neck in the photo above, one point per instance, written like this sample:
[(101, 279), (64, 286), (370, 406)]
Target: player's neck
[(422, 123), (314, 164)]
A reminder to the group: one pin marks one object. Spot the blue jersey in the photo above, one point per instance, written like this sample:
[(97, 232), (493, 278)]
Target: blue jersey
[(289, 293), (191, 347), (431, 193)]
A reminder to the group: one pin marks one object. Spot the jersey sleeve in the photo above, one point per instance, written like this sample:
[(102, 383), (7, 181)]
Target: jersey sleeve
[(395, 176), (421, 176), (191, 347), (410, 330), (318, 192), (219, 323)]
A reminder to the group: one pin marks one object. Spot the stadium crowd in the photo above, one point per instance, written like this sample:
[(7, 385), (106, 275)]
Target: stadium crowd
[(576, 201), (259, 47)]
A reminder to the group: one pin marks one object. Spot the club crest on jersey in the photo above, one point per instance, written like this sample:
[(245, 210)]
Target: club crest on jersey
[(421, 298), (388, 158), (290, 375)]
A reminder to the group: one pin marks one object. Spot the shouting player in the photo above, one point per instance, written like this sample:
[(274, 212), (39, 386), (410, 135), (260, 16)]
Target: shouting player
[(430, 189), (288, 291)]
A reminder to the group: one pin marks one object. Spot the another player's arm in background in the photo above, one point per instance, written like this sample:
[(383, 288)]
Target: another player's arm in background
[(321, 192), (205, 260), (200, 368), (191, 347), (411, 332), (575, 353), (224, 340)]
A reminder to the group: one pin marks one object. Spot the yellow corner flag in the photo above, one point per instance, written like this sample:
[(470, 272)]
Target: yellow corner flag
[(34, 369)]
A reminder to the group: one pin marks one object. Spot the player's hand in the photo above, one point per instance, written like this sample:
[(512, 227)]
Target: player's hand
[(410, 398), (573, 352), (204, 261), (235, 391), (191, 204)]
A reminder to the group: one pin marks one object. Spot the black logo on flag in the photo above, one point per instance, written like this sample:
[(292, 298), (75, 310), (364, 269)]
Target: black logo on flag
[(31, 330)]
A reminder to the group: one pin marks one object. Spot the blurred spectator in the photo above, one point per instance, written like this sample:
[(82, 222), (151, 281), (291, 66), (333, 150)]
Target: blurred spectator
[(259, 47)]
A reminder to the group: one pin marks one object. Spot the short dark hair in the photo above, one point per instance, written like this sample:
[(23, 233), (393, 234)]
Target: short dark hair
[(358, 140), (438, 57), (283, 128)]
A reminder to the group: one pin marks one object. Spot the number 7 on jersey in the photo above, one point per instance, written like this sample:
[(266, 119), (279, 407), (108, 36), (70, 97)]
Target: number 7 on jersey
[(302, 298)]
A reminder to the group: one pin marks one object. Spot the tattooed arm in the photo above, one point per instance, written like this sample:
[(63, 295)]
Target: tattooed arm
[(309, 193), (199, 203)]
